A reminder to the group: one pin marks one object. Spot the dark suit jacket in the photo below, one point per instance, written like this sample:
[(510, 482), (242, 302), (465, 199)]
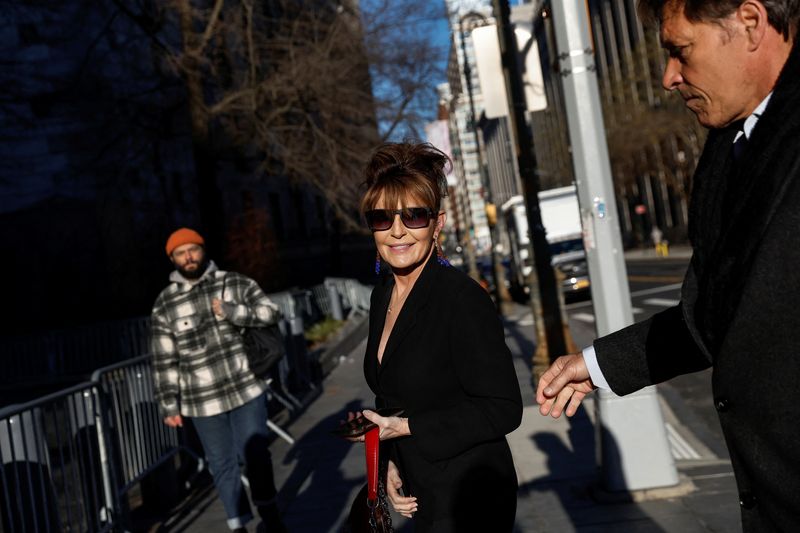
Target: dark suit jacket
[(447, 364), (739, 309)]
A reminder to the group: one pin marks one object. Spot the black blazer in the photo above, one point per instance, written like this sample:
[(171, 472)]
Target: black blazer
[(739, 308), (447, 364)]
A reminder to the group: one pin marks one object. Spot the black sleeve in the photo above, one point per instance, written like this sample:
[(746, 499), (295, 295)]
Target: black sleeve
[(492, 407), (649, 352)]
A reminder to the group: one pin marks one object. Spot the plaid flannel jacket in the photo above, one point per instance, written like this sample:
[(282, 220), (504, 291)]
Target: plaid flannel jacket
[(199, 363)]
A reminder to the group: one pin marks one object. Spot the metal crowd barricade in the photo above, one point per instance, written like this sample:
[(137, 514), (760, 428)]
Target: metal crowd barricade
[(322, 299), (139, 441), (339, 285), (52, 476), (68, 459), (358, 294), (354, 296), (297, 307)]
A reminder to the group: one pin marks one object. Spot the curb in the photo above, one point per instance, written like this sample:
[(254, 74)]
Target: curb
[(685, 486), (647, 254)]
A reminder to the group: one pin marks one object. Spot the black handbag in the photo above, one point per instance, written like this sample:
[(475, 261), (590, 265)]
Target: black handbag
[(263, 345)]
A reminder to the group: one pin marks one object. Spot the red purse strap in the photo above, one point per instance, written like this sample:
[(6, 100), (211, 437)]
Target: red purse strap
[(372, 442)]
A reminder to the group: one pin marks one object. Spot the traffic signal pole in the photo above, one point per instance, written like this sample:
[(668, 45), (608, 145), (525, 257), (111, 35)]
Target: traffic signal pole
[(635, 454)]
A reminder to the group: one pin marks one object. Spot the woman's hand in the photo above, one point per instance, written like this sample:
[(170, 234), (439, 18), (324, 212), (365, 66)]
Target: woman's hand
[(405, 505), (391, 427)]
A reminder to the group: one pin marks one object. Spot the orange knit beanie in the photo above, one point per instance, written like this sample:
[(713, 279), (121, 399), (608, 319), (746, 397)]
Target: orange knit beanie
[(181, 237)]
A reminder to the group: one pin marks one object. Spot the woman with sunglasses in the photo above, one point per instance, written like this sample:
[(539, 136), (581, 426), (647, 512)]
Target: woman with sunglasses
[(436, 349)]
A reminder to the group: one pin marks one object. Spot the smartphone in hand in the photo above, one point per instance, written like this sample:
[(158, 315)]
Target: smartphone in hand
[(360, 425)]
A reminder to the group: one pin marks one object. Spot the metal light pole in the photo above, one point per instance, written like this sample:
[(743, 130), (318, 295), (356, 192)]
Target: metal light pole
[(544, 292), (500, 290), (635, 453)]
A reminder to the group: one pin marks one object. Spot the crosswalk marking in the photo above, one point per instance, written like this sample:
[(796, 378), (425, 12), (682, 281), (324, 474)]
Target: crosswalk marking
[(662, 302), (654, 290), (678, 446), (589, 318)]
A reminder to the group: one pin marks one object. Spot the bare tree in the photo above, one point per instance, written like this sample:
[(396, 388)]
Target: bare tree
[(649, 132), (306, 92), (94, 122)]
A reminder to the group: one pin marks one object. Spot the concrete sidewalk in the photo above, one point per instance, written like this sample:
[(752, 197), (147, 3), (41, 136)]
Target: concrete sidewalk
[(555, 460)]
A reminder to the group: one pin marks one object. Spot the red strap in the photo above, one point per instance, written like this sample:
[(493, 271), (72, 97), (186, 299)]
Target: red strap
[(372, 441)]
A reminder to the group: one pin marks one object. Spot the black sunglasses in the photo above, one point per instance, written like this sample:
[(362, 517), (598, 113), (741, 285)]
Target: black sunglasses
[(412, 217)]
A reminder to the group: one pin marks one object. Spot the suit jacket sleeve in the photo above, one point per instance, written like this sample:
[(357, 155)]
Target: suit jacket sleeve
[(649, 352), (492, 404)]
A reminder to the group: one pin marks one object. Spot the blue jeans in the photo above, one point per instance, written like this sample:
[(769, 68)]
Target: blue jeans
[(235, 437)]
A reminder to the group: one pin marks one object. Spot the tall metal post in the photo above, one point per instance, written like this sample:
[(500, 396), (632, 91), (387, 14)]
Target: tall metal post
[(550, 331), (635, 453), (500, 291)]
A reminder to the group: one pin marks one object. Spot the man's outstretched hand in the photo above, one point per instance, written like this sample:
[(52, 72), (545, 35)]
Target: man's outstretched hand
[(565, 383)]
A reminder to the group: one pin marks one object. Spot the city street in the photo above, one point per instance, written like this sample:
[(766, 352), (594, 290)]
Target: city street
[(319, 475), (214, 190), (693, 429), (654, 286)]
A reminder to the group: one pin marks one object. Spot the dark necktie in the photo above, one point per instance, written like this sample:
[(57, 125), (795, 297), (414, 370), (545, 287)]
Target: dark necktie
[(736, 181), (739, 146)]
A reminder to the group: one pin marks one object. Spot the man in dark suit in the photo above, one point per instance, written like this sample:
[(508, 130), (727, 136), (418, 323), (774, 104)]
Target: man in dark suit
[(736, 65)]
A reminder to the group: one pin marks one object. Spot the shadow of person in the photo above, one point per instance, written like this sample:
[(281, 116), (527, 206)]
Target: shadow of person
[(318, 475), (261, 479), (573, 477), (524, 344)]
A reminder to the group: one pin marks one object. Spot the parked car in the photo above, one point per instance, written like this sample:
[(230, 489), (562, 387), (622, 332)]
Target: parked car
[(575, 271)]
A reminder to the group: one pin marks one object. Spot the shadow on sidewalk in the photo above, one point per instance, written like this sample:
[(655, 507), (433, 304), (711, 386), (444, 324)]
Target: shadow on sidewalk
[(572, 478), (525, 347), (317, 484)]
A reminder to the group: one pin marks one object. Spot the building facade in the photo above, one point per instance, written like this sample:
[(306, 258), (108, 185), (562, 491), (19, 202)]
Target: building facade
[(463, 15), (654, 142), (99, 165)]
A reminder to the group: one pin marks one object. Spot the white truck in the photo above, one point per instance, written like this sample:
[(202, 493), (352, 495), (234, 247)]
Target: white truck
[(561, 218)]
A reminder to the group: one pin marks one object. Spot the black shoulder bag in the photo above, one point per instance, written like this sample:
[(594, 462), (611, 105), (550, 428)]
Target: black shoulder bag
[(263, 345)]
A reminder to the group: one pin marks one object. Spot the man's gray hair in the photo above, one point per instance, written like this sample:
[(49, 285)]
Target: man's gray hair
[(782, 15)]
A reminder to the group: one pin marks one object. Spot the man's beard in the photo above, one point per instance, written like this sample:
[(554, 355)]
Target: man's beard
[(197, 272)]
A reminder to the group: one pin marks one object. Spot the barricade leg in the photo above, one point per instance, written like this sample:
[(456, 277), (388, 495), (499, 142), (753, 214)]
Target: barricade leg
[(28, 501)]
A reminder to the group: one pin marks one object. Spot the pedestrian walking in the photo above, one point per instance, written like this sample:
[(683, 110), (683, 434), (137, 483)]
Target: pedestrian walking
[(657, 236), (737, 66), (201, 371), (436, 349)]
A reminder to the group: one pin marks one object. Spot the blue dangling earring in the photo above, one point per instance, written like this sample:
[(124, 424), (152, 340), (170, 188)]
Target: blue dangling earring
[(440, 255), (377, 263)]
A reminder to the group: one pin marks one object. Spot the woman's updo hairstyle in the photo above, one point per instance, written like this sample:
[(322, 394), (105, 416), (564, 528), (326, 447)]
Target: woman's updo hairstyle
[(403, 171)]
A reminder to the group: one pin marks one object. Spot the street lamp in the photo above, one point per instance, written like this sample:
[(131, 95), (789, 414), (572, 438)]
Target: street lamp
[(500, 291)]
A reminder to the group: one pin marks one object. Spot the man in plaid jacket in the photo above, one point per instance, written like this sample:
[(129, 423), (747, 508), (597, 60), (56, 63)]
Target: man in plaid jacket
[(201, 371)]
